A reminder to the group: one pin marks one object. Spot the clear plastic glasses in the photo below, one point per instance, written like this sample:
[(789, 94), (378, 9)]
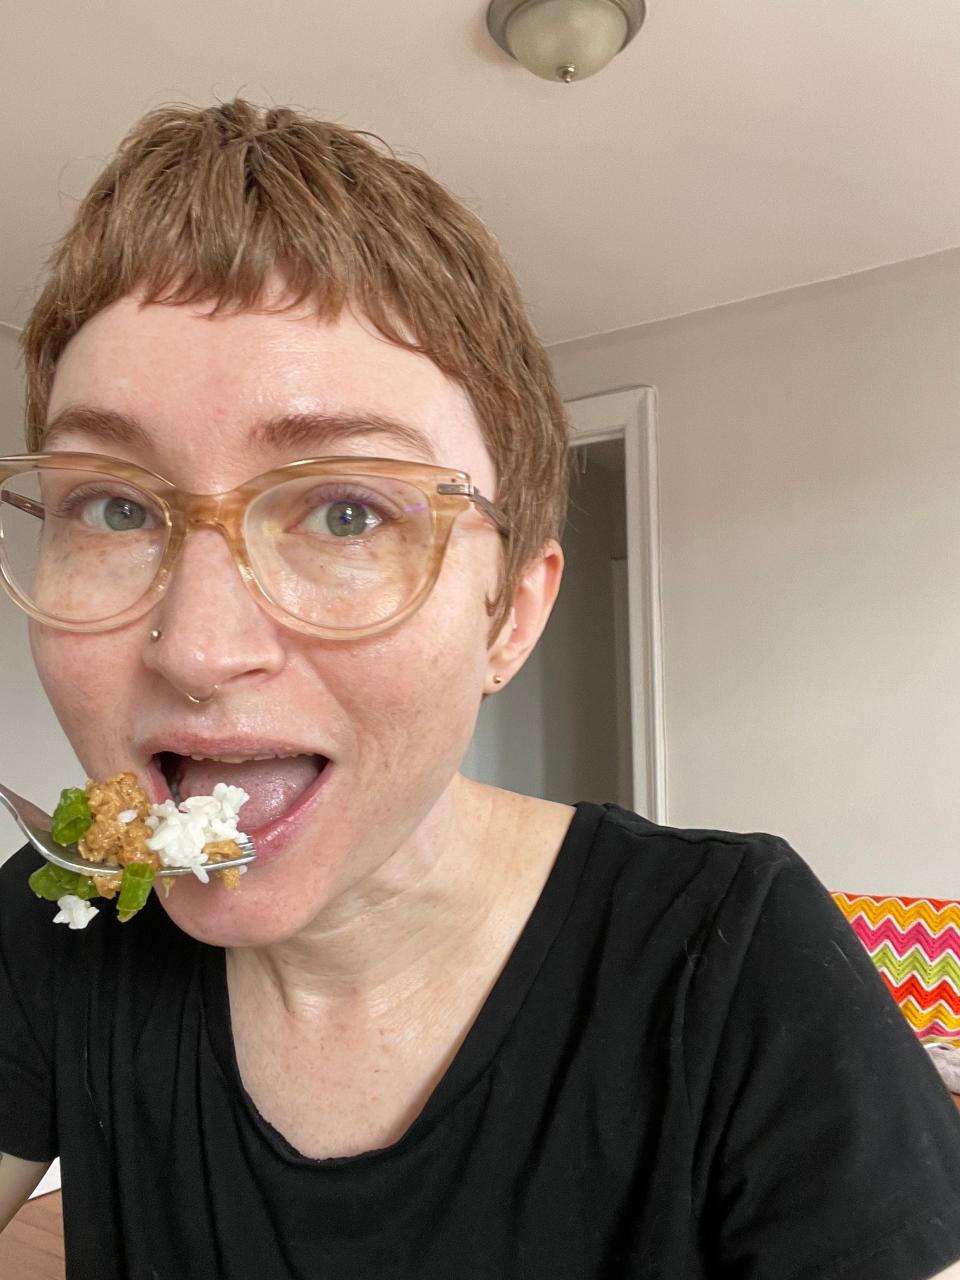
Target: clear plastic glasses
[(335, 547)]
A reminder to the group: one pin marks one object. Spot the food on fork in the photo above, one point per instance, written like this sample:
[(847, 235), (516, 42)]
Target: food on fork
[(115, 824)]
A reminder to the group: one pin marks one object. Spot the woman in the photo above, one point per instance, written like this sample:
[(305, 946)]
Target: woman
[(441, 1030)]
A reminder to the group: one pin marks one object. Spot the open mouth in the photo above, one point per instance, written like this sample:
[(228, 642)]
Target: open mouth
[(275, 783)]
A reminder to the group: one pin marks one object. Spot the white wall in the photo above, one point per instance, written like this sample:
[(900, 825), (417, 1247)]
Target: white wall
[(810, 459), (35, 758), (11, 392), (552, 732)]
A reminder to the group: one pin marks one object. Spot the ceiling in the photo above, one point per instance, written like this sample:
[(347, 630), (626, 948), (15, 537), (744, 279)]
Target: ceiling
[(733, 149)]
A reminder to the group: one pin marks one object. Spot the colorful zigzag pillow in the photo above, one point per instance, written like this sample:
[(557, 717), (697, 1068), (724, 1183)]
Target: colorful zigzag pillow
[(915, 945)]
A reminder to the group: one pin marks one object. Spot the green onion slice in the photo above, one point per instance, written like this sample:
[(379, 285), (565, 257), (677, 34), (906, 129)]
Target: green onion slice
[(51, 882), (134, 889), (72, 817)]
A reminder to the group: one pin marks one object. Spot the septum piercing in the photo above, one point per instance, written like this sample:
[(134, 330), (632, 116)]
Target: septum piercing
[(199, 701)]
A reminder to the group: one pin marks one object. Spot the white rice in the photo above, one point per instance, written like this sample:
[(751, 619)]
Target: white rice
[(74, 912), (181, 831)]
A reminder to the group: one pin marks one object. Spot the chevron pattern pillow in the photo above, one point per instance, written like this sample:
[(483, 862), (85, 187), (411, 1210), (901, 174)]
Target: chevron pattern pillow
[(915, 945)]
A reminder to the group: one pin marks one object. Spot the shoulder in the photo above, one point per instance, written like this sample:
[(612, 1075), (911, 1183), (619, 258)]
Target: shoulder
[(702, 865), (32, 944), (721, 904), (23, 915), (40, 958), (634, 832)]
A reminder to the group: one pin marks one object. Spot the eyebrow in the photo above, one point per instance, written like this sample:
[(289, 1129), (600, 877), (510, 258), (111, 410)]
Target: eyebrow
[(104, 425), (313, 432), (310, 431)]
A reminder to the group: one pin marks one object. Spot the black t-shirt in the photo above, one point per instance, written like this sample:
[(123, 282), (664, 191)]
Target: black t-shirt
[(688, 1068)]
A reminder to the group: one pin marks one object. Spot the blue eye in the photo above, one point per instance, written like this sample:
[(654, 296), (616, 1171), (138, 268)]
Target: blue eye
[(122, 513), (106, 511), (345, 511), (349, 519)]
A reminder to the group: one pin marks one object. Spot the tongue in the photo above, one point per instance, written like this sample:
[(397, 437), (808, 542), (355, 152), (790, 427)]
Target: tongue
[(273, 785)]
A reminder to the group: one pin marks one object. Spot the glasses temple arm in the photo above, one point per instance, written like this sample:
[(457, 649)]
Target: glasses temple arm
[(486, 506), (25, 504), (493, 512)]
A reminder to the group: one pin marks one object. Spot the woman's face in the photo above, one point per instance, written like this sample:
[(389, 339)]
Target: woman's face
[(393, 714)]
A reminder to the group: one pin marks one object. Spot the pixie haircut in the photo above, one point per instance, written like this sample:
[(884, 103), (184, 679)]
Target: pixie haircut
[(204, 205)]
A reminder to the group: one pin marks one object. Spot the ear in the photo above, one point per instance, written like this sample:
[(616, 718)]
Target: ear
[(533, 602)]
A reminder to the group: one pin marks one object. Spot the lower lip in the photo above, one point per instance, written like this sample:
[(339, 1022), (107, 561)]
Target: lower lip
[(272, 838)]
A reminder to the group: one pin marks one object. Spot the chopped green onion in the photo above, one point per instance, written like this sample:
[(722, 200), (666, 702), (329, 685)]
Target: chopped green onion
[(51, 882), (85, 889), (72, 817), (134, 889)]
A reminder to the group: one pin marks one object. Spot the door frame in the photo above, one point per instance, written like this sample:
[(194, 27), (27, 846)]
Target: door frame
[(630, 414)]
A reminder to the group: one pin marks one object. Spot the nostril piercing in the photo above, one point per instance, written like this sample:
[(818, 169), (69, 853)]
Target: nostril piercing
[(155, 634)]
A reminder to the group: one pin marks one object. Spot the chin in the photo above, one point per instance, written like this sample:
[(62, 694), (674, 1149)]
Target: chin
[(251, 916)]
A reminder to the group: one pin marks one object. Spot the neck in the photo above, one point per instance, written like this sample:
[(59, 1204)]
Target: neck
[(438, 904)]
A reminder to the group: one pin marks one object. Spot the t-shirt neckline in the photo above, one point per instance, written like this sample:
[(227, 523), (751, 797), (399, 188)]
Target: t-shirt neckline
[(479, 1048)]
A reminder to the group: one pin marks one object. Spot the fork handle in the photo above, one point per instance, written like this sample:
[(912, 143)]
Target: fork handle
[(22, 810)]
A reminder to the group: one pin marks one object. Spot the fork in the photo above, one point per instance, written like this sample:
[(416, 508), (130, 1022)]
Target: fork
[(36, 826)]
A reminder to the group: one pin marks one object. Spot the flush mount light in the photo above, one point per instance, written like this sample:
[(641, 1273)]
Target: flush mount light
[(564, 40)]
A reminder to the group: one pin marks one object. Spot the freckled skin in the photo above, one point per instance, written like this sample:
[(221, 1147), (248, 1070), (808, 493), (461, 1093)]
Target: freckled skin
[(395, 712)]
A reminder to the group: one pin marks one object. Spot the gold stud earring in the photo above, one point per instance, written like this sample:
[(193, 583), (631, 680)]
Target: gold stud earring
[(498, 679), (155, 634)]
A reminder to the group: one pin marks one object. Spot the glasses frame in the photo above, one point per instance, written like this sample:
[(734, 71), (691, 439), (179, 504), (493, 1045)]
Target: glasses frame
[(447, 491)]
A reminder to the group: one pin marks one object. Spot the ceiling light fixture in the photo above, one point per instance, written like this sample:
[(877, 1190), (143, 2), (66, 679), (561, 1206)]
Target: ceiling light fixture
[(564, 40)]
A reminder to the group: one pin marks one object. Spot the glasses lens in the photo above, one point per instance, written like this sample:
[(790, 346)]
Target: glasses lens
[(342, 552), (79, 546)]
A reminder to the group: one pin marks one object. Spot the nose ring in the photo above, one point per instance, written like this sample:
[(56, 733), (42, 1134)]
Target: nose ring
[(200, 701)]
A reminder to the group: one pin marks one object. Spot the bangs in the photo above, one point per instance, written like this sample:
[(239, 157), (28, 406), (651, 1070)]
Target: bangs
[(213, 206)]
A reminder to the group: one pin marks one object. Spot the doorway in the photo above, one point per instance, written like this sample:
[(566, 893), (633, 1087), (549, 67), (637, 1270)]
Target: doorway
[(583, 720)]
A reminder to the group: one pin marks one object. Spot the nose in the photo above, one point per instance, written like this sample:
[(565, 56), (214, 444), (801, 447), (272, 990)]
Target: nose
[(214, 633)]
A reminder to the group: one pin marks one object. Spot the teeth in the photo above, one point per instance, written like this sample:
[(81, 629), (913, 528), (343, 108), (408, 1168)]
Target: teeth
[(267, 755), (272, 755)]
